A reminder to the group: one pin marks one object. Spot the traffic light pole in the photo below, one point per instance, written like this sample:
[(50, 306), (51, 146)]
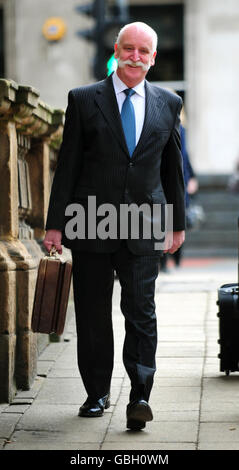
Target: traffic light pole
[(99, 66), (103, 24)]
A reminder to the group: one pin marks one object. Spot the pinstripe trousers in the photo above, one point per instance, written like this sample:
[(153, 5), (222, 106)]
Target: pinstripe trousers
[(93, 281)]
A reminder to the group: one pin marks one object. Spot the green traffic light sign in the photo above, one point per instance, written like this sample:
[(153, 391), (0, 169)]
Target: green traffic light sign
[(112, 65)]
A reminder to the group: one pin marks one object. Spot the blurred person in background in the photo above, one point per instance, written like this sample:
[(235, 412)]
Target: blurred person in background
[(191, 187), (233, 181)]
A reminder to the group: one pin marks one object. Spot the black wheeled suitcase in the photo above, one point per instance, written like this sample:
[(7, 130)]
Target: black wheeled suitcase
[(228, 302)]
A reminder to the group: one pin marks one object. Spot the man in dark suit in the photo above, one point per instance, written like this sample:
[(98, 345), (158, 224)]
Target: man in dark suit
[(121, 147)]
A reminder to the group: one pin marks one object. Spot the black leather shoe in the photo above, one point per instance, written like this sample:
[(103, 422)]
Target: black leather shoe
[(138, 412), (93, 409)]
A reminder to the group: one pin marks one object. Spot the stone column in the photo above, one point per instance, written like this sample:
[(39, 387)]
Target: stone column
[(28, 128), (211, 72), (8, 232)]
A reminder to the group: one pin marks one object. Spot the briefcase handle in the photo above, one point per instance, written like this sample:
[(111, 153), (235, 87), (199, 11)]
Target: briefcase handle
[(53, 251)]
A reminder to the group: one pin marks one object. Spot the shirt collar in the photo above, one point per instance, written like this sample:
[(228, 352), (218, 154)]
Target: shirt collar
[(120, 86)]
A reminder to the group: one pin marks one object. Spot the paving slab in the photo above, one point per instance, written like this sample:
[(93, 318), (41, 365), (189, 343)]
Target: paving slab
[(179, 367), (180, 333), (175, 394), (3, 406), (60, 418), (218, 446), (221, 389), (219, 415), (213, 405), (53, 350), (212, 368), (63, 373), (22, 401), (176, 382), (176, 413), (44, 367), (62, 391), (155, 432), (8, 422), (26, 440), (219, 432), (17, 408), (126, 445), (181, 349)]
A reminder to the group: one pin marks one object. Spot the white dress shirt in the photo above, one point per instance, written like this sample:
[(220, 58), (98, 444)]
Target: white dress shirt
[(138, 101)]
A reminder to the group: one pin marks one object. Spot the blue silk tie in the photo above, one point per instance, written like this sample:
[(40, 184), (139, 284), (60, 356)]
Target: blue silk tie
[(128, 120)]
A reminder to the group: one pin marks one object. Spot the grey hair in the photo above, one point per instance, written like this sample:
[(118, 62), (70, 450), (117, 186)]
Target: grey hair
[(142, 26)]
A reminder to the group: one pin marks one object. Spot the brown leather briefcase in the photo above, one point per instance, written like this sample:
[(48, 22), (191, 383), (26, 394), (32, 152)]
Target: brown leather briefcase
[(51, 295)]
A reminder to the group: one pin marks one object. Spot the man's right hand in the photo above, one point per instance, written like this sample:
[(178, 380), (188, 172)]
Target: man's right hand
[(53, 238)]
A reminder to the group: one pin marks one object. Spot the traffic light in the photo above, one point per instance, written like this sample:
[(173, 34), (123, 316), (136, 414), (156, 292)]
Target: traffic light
[(107, 24), (111, 65)]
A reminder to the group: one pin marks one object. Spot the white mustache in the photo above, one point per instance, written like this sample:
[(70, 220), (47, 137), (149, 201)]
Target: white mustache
[(122, 64)]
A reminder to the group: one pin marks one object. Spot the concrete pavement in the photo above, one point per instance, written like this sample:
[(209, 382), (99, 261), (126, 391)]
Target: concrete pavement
[(195, 406)]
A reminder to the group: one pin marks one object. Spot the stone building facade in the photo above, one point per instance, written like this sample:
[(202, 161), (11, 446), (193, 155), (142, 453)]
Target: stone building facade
[(211, 65)]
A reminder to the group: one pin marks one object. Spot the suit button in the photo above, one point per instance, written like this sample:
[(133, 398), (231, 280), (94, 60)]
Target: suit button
[(131, 164)]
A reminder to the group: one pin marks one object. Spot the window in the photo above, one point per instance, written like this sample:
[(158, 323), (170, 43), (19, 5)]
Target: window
[(167, 21)]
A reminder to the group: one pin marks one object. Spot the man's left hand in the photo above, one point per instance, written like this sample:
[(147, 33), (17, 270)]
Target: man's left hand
[(173, 241)]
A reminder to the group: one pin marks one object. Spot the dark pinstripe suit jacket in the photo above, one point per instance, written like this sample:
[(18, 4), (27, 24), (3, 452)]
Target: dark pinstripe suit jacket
[(94, 160)]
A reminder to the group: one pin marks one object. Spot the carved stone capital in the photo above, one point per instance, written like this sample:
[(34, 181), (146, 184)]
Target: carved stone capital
[(31, 115)]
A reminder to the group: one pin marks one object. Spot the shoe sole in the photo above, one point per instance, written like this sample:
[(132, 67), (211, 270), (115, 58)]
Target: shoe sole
[(138, 416), (135, 425), (97, 414)]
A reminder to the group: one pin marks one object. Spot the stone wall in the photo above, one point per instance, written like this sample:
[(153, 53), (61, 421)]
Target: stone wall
[(30, 134), (51, 66)]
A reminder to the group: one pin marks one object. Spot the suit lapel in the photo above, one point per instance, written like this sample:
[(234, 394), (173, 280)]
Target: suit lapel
[(153, 108), (107, 102)]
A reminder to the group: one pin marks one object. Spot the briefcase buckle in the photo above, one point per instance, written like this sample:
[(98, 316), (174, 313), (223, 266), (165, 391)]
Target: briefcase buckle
[(53, 251), (53, 254)]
